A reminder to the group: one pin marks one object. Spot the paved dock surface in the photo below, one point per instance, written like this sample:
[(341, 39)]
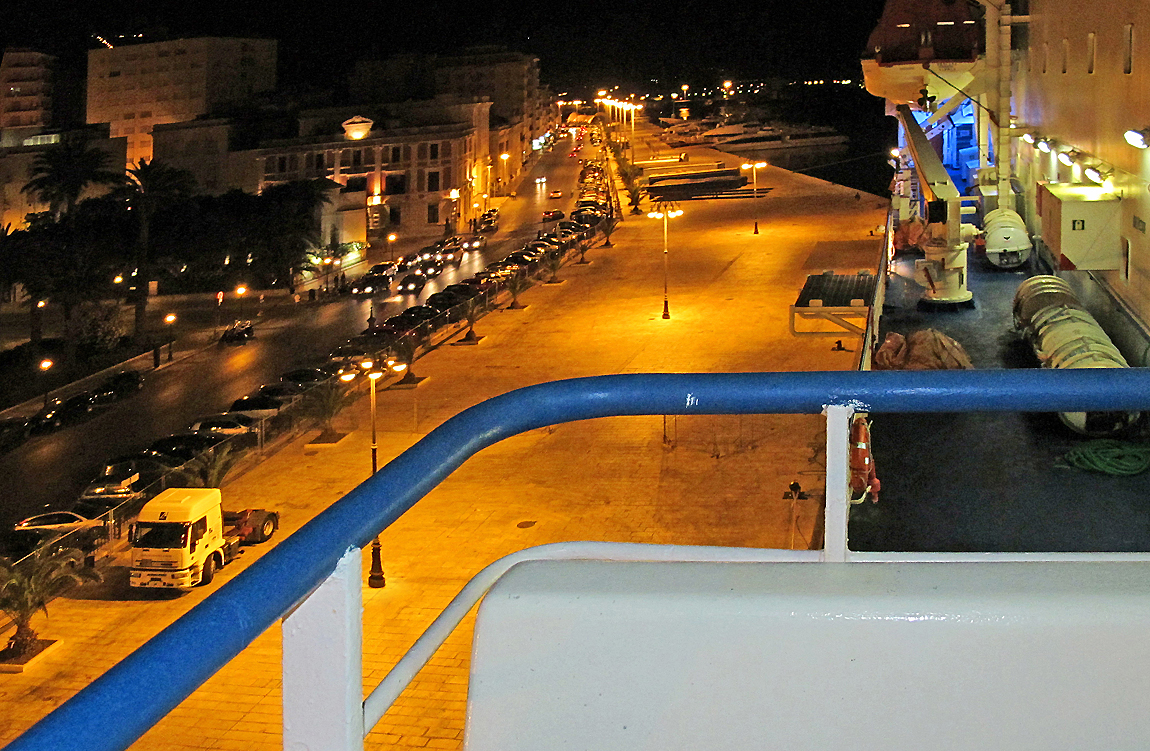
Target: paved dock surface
[(698, 480)]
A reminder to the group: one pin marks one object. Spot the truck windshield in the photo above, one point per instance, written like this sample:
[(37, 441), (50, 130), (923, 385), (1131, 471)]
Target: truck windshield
[(161, 535)]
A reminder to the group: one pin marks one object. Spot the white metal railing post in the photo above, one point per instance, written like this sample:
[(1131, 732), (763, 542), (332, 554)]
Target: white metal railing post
[(323, 664), (838, 482)]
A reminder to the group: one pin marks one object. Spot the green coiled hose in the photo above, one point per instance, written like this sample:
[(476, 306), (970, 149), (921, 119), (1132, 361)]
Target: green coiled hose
[(1110, 457)]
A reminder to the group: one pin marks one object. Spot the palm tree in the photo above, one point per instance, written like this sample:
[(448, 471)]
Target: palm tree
[(608, 226), (150, 186), (517, 285), (63, 172), (28, 585), (324, 402), (551, 265), (472, 308), (405, 350), (13, 244), (291, 226), (209, 469)]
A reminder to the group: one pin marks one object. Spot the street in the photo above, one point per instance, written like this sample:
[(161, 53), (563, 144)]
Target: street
[(52, 470)]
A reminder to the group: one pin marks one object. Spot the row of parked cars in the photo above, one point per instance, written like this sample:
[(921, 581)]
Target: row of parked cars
[(134, 478), (57, 413)]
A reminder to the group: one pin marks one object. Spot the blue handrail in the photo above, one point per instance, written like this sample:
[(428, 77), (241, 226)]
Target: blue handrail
[(125, 702)]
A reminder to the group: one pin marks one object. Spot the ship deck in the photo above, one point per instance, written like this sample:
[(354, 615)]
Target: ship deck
[(987, 482)]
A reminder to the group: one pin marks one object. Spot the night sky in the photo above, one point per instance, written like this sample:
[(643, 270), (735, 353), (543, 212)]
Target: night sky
[(580, 44)]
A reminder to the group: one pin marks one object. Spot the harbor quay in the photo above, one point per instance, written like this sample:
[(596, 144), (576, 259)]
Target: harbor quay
[(695, 481)]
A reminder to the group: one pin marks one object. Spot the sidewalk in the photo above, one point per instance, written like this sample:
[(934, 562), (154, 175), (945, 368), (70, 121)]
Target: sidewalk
[(699, 480)]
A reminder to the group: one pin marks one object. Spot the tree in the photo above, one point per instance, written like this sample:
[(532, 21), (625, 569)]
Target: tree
[(608, 226), (148, 187), (324, 402), (290, 227), (209, 469), (551, 265), (27, 586), (60, 174), (517, 285), (406, 349), (472, 309), (13, 245)]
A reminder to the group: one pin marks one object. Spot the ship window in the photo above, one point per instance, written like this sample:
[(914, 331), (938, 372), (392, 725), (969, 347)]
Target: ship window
[(1065, 53), (1128, 58)]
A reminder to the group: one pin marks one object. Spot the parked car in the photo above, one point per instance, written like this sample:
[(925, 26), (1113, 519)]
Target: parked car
[(305, 377), (466, 291), (60, 522), (259, 407), (239, 428), (412, 284), (185, 446), (117, 484), (590, 218), (119, 386), (18, 543), (13, 432), (552, 216), (492, 213), (238, 332), (285, 392), (555, 194), (447, 304), (488, 225), (420, 314)]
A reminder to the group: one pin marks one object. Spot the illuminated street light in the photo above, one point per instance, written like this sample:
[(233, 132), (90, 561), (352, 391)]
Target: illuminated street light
[(668, 211), (391, 238), (169, 319), (375, 578), (754, 168), (45, 366), (240, 292)]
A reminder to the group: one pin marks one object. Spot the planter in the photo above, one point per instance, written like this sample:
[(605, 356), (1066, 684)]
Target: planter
[(20, 664)]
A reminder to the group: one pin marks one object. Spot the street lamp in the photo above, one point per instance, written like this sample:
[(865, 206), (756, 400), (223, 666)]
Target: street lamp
[(666, 211), (240, 292), (506, 178), (454, 196), (169, 319), (45, 366), (391, 238), (375, 578), (754, 168)]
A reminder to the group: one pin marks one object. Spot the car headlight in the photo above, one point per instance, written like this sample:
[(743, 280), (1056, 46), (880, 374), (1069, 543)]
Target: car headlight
[(367, 289)]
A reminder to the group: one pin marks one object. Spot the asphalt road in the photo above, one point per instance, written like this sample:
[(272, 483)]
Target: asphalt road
[(52, 470)]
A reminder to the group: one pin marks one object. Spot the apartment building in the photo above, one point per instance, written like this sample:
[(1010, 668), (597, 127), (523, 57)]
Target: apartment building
[(25, 94), (135, 87), (392, 167)]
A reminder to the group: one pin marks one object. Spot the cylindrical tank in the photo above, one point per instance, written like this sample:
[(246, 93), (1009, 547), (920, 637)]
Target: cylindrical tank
[(1007, 241), (1065, 335)]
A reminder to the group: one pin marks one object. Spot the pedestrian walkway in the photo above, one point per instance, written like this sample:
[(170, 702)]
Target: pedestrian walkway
[(698, 480)]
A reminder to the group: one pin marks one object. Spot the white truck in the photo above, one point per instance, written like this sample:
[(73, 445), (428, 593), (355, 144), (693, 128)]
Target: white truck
[(180, 539)]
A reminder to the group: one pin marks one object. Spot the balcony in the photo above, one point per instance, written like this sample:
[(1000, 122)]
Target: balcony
[(602, 645)]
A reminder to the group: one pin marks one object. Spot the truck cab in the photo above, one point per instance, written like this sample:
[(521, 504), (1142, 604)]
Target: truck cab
[(179, 539)]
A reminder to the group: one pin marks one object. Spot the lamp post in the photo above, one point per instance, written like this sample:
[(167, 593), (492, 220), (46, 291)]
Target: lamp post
[(506, 178), (454, 196), (169, 319), (754, 168), (391, 238), (45, 366), (240, 292), (666, 211)]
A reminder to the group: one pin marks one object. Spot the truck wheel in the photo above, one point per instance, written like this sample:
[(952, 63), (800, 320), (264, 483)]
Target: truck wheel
[(267, 529), (209, 571)]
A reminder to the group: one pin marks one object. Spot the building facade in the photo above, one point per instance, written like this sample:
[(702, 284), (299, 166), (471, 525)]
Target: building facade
[(25, 94), (133, 88), (416, 168)]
